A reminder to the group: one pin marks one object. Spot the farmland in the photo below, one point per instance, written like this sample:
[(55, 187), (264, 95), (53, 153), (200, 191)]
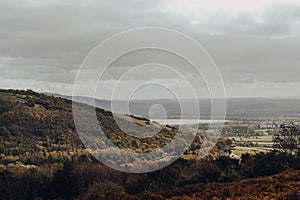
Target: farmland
[(251, 145)]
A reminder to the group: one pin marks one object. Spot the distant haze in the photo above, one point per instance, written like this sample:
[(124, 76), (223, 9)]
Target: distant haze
[(236, 107)]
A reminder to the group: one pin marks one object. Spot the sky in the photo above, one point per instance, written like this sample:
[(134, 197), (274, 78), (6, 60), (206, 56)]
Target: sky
[(255, 44)]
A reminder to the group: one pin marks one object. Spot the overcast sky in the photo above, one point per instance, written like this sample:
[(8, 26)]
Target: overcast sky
[(254, 43)]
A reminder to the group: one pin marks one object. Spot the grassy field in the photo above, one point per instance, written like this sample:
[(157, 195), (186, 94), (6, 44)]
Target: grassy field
[(262, 144), (238, 150), (253, 138)]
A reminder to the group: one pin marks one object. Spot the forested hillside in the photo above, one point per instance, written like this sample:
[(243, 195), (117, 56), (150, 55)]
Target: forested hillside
[(42, 157), (36, 127)]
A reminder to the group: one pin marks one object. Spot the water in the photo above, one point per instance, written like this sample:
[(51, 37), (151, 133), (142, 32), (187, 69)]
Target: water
[(186, 121)]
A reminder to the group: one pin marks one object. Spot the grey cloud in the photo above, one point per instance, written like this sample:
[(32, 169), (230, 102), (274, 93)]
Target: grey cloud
[(45, 42)]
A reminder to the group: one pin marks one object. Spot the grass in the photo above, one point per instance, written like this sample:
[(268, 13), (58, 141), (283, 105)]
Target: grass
[(14, 98), (131, 119), (139, 122), (253, 139), (238, 150), (264, 144)]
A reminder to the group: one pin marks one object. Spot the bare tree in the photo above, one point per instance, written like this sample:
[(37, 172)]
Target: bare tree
[(287, 140)]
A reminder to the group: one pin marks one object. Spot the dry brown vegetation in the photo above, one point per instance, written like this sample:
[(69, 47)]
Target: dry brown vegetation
[(285, 185), (42, 157)]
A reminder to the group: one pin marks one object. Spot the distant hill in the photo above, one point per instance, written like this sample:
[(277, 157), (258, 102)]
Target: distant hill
[(236, 107)]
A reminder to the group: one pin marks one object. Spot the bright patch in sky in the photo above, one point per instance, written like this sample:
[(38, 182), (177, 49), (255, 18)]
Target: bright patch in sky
[(198, 8)]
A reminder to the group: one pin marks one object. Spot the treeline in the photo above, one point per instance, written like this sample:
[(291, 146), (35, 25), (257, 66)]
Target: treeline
[(88, 179)]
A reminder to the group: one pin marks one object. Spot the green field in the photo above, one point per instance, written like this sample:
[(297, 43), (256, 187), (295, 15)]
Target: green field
[(238, 150), (254, 138), (262, 144)]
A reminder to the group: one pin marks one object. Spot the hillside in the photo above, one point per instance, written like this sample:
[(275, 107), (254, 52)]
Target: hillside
[(39, 125), (281, 186), (42, 157)]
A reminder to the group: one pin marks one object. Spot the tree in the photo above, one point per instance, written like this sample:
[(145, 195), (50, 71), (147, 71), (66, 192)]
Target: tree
[(105, 190), (287, 140), (251, 130)]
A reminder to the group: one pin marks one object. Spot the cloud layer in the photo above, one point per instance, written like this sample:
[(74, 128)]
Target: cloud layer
[(255, 44)]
